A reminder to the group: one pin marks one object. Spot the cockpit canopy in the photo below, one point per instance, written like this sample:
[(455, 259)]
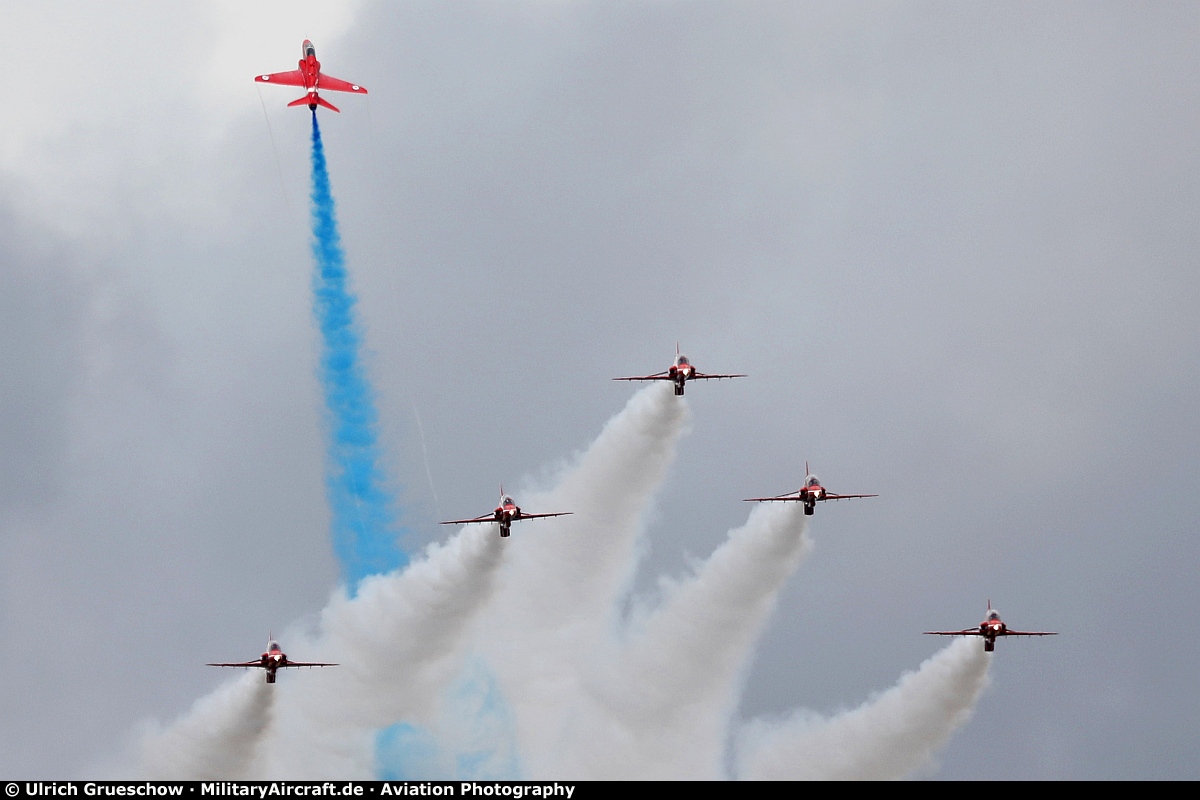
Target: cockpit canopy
[(308, 49), (993, 616), (273, 647), (813, 480), (682, 361), (507, 501)]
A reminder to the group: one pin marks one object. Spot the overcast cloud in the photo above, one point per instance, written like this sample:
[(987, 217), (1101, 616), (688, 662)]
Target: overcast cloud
[(953, 244)]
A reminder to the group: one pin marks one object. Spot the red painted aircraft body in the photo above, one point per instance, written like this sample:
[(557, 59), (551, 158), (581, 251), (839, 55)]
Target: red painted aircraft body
[(312, 79), (273, 659), (506, 513), (991, 628), (679, 374), (810, 494)]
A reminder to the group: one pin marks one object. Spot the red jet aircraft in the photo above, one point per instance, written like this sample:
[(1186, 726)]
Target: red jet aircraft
[(272, 660), (311, 78), (680, 373), (506, 513), (991, 627), (810, 493)]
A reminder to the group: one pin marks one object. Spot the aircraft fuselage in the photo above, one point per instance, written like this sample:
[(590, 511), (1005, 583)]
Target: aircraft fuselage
[(810, 494), (679, 374), (505, 515), (311, 69), (989, 629)]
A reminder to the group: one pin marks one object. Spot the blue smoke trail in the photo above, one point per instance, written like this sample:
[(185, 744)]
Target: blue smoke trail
[(363, 524), (475, 740)]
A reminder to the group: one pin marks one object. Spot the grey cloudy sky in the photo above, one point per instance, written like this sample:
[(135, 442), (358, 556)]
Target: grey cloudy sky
[(953, 244)]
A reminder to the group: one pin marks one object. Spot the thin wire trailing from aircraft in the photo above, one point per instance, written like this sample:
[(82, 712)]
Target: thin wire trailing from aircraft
[(274, 149), (437, 505)]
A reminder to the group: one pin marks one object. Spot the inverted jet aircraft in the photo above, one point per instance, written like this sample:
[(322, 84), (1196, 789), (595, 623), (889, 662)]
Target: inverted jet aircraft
[(810, 494), (274, 658), (679, 374), (991, 627), (312, 79), (506, 513)]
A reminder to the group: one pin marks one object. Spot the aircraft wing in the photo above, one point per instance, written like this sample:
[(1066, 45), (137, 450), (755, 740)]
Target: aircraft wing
[(967, 632), (491, 517), (337, 84), (307, 664), (793, 496), (538, 516), (832, 496), (658, 376), (255, 663), (1030, 633), (293, 78), (704, 375)]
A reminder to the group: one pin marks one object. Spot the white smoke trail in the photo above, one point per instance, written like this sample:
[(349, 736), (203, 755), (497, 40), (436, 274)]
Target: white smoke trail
[(515, 654), (665, 700), (888, 737), (562, 592), (409, 624), (399, 642), (594, 552), (217, 739)]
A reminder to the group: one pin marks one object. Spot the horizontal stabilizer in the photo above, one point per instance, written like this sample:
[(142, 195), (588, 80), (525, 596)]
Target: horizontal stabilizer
[(321, 101), (313, 100)]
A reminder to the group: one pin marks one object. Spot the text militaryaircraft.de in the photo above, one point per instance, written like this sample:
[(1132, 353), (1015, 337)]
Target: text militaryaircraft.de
[(311, 78), (991, 627), (680, 373), (274, 658), (810, 494), (506, 513)]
